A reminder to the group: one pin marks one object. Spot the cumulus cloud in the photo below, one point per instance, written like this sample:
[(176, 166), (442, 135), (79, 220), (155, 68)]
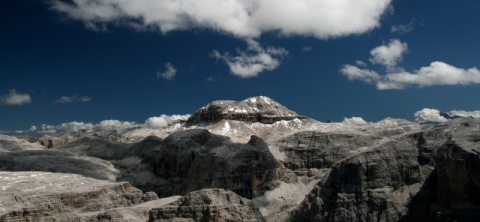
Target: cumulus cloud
[(436, 74), (389, 55), (359, 121), (253, 61), (15, 99), (158, 122), (427, 115), (321, 18), (113, 124), (72, 99), (169, 73)]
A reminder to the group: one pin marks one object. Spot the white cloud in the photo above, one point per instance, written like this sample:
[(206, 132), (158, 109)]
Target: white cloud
[(163, 121), (321, 18), (114, 124), (463, 113), (436, 74), (33, 128), (403, 28), (359, 121), (389, 55), (72, 99), (15, 99), (169, 73), (253, 61), (156, 122), (427, 115)]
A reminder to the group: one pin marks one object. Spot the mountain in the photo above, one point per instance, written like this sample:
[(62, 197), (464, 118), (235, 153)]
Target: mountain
[(257, 159)]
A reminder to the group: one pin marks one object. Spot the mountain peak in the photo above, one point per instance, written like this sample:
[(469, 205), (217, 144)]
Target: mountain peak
[(254, 109)]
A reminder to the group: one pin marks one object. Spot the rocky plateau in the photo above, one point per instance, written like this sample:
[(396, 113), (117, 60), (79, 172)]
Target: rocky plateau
[(253, 160)]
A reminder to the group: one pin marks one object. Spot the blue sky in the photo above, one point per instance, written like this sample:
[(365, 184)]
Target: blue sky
[(88, 61)]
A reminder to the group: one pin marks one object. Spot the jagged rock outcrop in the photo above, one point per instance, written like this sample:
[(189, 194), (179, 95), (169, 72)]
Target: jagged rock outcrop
[(196, 159), (374, 185), (42, 196), (256, 109), (458, 177), (210, 205), (430, 175), (312, 149)]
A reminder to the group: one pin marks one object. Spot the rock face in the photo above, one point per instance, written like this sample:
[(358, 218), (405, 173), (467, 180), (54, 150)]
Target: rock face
[(196, 159), (293, 168), (256, 109), (312, 149), (57, 161), (210, 205), (430, 175), (9, 143), (458, 177), (41, 196)]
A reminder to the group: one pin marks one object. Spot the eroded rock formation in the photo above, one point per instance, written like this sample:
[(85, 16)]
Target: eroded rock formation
[(256, 109)]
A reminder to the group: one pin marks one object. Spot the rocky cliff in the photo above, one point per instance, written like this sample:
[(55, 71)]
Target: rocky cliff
[(213, 205), (256, 109), (292, 168), (41, 196), (247, 169), (429, 175)]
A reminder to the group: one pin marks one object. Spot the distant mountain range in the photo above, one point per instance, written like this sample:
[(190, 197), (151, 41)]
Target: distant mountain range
[(250, 160)]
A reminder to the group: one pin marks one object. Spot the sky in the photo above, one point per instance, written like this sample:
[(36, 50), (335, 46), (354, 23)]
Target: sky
[(119, 62)]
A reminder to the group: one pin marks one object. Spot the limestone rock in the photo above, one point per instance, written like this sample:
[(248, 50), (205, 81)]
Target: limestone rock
[(195, 159), (256, 109), (10, 143), (42, 196), (210, 205), (427, 175), (57, 161), (458, 167)]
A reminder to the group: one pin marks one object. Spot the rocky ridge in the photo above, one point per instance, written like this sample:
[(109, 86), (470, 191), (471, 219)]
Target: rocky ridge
[(293, 169)]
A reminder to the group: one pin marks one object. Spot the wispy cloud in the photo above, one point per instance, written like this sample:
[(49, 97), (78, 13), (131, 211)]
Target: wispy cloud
[(15, 99), (321, 18), (253, 61), (169, 73), (307, 49), (403, 28), (72, 99), (436, 74)]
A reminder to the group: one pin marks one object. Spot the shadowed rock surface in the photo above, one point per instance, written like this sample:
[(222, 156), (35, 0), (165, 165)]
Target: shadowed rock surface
[(213, 205), (58, 161), (398, 181), (302, 169), (43, 196), (196, 159)]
